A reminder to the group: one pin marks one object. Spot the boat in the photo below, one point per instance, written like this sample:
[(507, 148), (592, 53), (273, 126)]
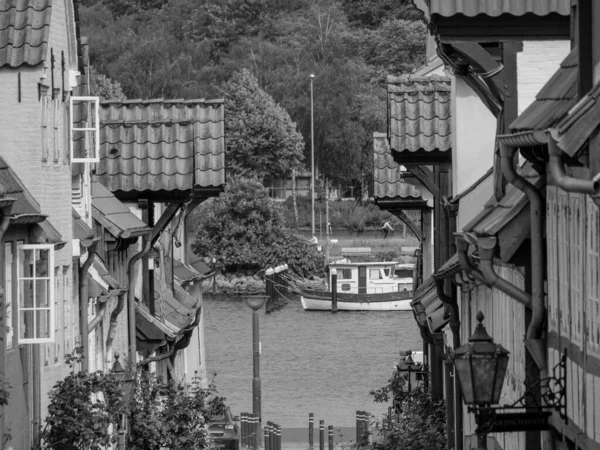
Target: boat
[(365, 286)]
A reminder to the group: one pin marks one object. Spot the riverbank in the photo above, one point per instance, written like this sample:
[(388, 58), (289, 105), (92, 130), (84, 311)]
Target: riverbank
[(246, 283)]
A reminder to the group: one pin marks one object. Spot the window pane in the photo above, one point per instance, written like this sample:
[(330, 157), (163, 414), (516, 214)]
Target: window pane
[(41, 294), (41, 263), (8, 293), (26, 293), (26, 330), (374, 274), (26, 258), (43, 324)]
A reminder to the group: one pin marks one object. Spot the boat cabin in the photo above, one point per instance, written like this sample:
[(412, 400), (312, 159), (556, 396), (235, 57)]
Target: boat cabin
[(373, 277)]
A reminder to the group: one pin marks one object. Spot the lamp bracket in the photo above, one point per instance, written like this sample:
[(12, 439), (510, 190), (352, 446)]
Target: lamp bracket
[(542, 396)]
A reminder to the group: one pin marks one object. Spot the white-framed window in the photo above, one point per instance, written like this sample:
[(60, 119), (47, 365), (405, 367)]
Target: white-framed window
[(84, 119), (36, 293)]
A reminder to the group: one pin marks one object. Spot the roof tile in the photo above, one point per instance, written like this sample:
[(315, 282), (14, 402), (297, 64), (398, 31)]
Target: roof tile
[(161, 145), (419, 113), (387, 174), (494, 8), (554, 100), (24, 31)]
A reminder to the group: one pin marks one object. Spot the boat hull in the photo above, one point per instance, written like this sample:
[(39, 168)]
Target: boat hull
[(392, 301)]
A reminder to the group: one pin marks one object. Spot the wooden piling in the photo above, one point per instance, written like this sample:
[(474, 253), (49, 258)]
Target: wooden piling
[(321, 435), (266, 436), (243, 429), (330, 433), (334, 291), (311, 424), (278, 436)]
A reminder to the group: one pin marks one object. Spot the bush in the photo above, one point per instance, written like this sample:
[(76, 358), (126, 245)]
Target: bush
[(423, 424), (244, 227)]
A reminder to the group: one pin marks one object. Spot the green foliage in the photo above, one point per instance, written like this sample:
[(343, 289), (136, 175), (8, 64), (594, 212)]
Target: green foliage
[(82, 408), (245, 227), (170, 415), (262, 141), (423, 421), (190, 48), (104, 87)]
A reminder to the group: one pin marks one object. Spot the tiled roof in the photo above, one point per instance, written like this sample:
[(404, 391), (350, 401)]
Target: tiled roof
[(24, 31), (581, 121), (494, 8), (25, 209), (499, 215), (387, 173), (419, 113), (114, 215), (168, 146), (554, 100)]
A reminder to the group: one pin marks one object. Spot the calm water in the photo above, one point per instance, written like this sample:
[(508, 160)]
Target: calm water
[(311, 361)]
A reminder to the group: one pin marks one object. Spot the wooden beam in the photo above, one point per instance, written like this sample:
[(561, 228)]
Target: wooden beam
[(165, 218), (415, 228), (425, 176)]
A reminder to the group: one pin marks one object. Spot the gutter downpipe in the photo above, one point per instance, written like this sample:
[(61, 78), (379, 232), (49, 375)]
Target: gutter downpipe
[(533, 341), (462, 247), (131, 276), (4, 223), (486, 246), (83, 305), (566, 182)]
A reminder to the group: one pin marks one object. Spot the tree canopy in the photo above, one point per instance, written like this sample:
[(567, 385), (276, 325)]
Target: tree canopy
[(262, 140), (245, 227), (192, 48)]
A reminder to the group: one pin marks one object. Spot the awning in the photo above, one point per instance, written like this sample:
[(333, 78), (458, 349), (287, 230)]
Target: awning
[(185, 274), (201, 267), (45, 233), (100, 275), (114, 215), (508, 219), (81, 230), (26, 209)]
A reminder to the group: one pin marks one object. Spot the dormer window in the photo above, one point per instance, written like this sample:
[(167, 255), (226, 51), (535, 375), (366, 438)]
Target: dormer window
[(84, 118)]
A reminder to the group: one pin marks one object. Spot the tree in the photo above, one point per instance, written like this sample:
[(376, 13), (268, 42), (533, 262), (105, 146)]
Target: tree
[(104, 87), (262, 140), (246, 227)]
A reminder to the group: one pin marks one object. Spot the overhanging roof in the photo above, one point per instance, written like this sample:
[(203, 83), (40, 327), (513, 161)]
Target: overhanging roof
[(495, 8), (45, 233), (419, 118), (508, 219), (25, 209), (81, 230), (114, 215), (388, 179), (162, 149), (24, 32), (554, 100), (428, 308)]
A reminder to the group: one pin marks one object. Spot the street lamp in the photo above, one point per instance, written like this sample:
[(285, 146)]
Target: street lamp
[(256, 302), (481, 367), (312, 154), (127, 381)]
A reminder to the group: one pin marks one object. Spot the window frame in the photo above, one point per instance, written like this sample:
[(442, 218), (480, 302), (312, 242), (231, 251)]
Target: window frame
[(34, 308), (96, 102)]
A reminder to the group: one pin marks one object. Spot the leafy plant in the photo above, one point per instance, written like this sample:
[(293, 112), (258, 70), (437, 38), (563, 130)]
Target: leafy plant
[(170, 415), (82, 408), (245, 227), (423, 420)]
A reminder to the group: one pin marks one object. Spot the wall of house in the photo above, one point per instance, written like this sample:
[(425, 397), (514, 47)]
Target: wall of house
[(538, 61), (505, 322), (573, 257), (473, 137), (34, 142), (473, 202)]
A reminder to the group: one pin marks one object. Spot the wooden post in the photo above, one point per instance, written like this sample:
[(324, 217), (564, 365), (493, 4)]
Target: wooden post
[(243, 428), (214, 268), (266, 433), (278, 438), (321, 435), (311, 424), (330, 433), (334, 291)]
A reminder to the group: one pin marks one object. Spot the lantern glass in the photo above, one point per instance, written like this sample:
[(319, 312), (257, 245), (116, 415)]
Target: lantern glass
[(255, 302), (481, 367)]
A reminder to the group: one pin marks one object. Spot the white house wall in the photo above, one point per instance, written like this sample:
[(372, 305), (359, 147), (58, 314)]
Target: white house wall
[(473, 137)]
